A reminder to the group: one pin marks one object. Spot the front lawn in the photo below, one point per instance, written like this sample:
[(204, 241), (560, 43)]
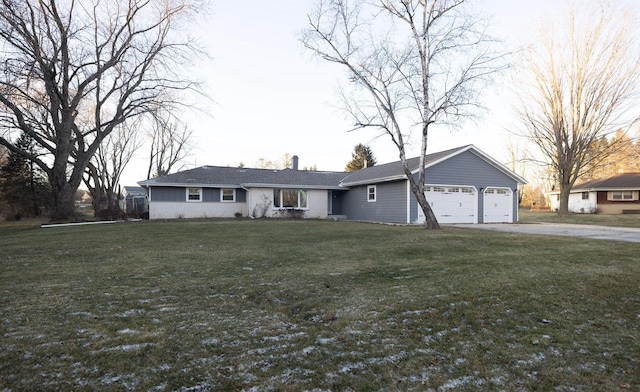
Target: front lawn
[(224, 305), (626, 220)]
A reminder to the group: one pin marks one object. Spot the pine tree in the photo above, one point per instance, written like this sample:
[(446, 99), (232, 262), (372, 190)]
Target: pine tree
[(361, 157), (23, 188)]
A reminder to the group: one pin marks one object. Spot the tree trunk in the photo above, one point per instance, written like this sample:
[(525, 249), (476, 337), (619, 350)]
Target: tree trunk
[(563, 210), (431, 222), (62, 204)]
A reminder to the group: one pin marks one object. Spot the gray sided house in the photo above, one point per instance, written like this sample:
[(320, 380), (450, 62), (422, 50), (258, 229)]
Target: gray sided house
[(464, 185)]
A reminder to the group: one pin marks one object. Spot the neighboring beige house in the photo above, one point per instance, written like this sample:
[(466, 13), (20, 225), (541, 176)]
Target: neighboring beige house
[(619, 194)]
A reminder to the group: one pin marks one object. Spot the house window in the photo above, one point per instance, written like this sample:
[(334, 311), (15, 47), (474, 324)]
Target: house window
[(194, 194), (228, 195), (585, 195), (371, 193), (621, 196), (290, 198)]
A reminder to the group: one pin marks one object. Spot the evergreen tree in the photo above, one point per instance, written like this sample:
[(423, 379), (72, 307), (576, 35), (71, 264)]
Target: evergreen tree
[(23, 188), (361, 157)]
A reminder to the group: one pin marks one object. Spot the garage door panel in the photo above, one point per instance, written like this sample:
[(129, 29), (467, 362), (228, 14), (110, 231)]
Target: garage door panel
[(452, 204), (498, 204)]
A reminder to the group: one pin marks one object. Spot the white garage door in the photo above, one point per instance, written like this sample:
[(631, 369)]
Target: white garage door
[(498, 205), (451, 204)]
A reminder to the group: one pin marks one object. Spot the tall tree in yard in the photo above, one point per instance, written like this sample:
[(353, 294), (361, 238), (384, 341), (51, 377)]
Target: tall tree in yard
[(361, 157), (102, 176), (73, 71), (583, 85), (23, 188), (169, 144), (413, 65)]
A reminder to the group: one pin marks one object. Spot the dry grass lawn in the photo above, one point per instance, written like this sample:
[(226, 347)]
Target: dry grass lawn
[(224, 305)]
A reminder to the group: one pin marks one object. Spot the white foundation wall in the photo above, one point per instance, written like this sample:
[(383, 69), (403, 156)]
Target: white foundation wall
[(177, 210), (260, 203)]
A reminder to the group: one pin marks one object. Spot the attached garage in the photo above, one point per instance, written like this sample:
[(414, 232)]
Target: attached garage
[(498, 205), (462, 185), (451, 203)]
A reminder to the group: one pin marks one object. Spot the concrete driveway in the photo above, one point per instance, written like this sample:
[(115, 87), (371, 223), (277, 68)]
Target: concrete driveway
[(585, 231)]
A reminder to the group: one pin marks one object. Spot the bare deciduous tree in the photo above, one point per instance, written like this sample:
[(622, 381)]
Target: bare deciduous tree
[(414, 64), (118, 59), (102, 176), (583, 82), (284, 162), (169, 144)]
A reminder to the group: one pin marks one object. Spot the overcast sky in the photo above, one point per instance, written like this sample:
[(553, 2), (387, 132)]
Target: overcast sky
[(271, 97)]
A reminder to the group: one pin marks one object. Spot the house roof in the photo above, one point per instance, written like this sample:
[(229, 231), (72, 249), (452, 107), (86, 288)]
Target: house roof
[(134, 190), (394, 171), (218, 176), (624, 181)]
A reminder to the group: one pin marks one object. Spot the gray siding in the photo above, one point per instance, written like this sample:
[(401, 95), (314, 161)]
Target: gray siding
[(165, 193), (469, 169), (179, 194), (390, 205)]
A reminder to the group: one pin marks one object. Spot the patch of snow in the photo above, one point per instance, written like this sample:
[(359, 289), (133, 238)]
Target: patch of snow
[(278, 338), (131, 312), (456, 383), (325, 340), (212, 341), (460, 361), (126, 331), (125, 347), (87, 314)]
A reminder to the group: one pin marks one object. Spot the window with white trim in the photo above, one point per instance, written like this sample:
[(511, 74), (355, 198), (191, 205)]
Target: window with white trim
[(227, 195), (194, 194), (290, 198), (622, 195), (585, 195), (371, 193)]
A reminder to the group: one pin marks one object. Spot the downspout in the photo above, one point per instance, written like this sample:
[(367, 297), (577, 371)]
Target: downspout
[(247, 200)]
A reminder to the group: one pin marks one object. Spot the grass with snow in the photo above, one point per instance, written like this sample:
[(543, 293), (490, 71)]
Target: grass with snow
[(320, 306)]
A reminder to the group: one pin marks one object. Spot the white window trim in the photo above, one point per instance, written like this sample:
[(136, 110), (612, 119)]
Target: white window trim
[(634, 195), (199, 195), (299, 192), (222, 197), (375, 193)]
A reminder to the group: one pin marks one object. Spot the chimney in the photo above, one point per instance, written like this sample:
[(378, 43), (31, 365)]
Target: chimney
[(294, 162)]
